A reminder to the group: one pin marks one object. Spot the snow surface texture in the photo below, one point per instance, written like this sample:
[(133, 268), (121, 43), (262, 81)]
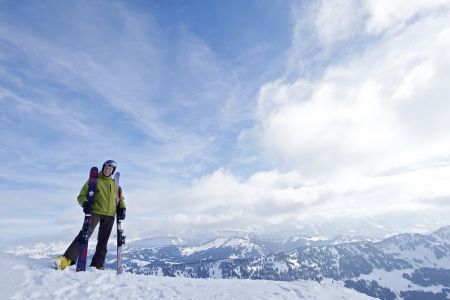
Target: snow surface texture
[(31, 278)]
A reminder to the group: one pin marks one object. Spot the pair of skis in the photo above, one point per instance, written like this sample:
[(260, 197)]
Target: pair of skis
[(86, 231)]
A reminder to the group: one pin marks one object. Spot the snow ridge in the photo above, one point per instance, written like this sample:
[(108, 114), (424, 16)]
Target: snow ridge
[(33, 279)]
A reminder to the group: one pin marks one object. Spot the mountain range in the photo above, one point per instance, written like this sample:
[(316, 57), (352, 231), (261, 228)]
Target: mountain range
[(404, 266)]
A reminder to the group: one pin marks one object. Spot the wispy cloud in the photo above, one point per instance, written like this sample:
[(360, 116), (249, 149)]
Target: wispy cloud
[(397, 14), (168, 91)]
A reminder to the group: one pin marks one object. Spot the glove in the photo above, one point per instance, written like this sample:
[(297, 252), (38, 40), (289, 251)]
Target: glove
[(121, 213), (87, 207)]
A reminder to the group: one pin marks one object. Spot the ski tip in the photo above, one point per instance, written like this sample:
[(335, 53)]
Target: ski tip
[(94, 172)]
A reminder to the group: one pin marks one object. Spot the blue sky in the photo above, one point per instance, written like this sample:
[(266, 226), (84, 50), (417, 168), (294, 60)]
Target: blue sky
[(227, 115), (158, 77)]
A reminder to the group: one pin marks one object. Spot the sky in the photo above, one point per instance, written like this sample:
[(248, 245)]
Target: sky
[(311, 117)]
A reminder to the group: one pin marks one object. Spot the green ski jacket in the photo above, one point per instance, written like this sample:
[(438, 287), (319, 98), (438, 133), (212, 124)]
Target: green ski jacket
[(104, 196)]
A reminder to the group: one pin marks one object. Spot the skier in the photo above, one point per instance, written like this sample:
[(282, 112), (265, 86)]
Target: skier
[(103, 212)]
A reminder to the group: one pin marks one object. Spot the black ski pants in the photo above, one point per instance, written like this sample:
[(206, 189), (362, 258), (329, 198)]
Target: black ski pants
[(104, 231)]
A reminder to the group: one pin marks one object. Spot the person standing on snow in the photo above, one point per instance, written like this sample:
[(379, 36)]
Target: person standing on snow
[(103, 212)]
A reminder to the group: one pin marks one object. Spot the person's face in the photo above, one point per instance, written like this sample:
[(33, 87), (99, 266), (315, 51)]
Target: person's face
[(107, 171)]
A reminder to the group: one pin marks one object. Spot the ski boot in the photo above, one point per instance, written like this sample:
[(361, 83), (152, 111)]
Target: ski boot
[(62, 262)]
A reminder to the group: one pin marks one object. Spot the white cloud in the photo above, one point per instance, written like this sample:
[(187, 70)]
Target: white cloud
[(392, 14), (272, 200), (382, 110), (221, 200), (335, 20), (338, 20), (368, 138)]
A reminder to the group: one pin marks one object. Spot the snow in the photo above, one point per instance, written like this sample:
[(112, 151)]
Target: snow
[(40, 250), (395, 281), (217, 243), (140, 263), (425, 255), (317, 238), (294, 261), (31, 277)]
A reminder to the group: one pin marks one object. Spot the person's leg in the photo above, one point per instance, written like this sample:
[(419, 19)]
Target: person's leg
[(73, 250), (104, 231)]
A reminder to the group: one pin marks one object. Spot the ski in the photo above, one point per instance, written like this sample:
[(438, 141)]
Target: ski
[(85, 230), (120, 236)]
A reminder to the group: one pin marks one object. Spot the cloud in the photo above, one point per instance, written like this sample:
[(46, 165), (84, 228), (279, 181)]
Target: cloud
[(338, 20), (269, 201), (162, 96), (366, 136), (386, 15), (362, 141), (384, 109), (222, 200), (356, 126)]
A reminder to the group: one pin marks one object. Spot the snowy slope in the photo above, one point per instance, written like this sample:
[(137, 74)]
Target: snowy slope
[(33, 278), (243, 246), (396, 282)]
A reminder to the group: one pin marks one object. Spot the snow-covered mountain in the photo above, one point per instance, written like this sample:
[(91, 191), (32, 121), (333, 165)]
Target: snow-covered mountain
[(405, 266), (442, 234), (412, 257), (175, 250)]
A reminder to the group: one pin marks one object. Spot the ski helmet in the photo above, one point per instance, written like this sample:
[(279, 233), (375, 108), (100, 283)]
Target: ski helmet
[(110, 163)]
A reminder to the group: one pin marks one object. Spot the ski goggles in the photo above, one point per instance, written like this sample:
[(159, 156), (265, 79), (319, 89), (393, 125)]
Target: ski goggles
[(111, 163)]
